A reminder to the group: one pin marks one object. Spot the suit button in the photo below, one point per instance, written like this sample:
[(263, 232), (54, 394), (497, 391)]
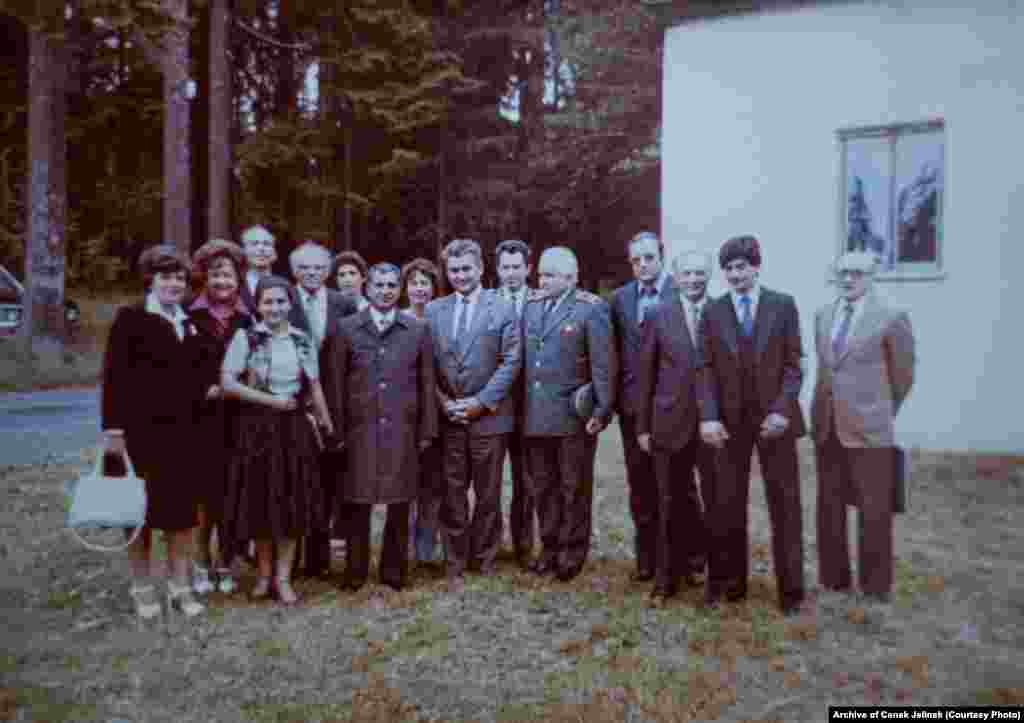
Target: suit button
[(383, 385), (383, 420), (538, 363), (536, 384)]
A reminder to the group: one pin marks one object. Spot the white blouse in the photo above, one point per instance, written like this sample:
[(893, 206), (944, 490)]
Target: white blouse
[(284, 377)]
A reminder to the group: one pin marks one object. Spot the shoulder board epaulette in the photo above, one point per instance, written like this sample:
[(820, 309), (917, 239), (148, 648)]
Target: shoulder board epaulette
[(588, 297), (536, 295)]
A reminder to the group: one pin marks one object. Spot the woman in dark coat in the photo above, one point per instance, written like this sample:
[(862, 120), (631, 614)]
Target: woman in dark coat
[(149, 395), (421, 282), (273, 485), (218, 313)]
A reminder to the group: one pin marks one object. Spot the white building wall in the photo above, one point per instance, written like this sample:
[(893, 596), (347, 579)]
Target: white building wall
[(751, 109)]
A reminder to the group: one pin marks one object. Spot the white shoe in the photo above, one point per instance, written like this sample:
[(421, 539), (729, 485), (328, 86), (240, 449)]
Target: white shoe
[(147, 604), (180, 599), (201, 584)]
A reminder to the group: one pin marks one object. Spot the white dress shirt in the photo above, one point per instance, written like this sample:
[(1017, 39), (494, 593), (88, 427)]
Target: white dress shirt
[(644, 302), (317, 325), (383, 321), (177, 319), (517, 297), (837, 319), (463, 308), (691, 312), (251, 279)]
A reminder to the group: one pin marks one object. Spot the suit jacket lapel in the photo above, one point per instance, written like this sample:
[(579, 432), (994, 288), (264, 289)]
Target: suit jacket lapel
[(560, 312), (479, 322), (869, 321), (679, 320), (727, 321), (632, 318), (826, 320), (767, 308)]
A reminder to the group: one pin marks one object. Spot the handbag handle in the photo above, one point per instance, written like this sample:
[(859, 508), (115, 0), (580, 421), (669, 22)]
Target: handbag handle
[(98, 472), (97, 468)]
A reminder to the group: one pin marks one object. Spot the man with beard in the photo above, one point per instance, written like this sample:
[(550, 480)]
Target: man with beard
[(379, 383)]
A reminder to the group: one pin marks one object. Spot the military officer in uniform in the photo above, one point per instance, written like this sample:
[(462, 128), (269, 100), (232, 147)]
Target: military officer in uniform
[(566, 345)]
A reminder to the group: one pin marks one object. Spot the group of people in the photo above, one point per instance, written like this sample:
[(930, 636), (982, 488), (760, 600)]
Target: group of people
[(280, 413)]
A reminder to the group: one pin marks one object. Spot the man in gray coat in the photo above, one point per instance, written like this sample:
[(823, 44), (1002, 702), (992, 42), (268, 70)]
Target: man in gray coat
[(865, 371), (567, 345), (477, 347), (378, 377)]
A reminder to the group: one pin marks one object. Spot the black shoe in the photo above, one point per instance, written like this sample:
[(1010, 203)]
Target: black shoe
[(641, 574), (691, 580), (541, 567), (394, 585), (567, 573)]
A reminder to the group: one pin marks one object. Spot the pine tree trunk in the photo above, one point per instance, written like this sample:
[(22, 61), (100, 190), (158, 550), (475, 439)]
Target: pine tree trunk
[(43, 325), (177, 221), (218, 208)]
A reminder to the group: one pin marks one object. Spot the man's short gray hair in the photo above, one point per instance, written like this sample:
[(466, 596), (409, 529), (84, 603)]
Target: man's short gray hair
[(863, 261), (304, 250), (461, 247), (707, 261), (562, 259), (257, 233)]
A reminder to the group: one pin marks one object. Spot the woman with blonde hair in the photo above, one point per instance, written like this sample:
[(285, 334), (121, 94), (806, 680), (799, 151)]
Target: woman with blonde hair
[(218, 272)]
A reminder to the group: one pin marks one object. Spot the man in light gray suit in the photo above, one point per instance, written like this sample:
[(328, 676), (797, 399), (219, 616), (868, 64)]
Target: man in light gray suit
[(568, 344), (477, 347), (865, 371)]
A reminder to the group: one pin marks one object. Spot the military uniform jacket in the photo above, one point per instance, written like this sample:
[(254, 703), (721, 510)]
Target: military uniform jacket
[(381, 396), (562, 353), (486, 364)]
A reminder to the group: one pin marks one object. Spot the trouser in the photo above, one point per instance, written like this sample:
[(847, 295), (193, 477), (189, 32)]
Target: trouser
[(729, 554), (643, 495), (562, 480), (863, 475), (477, 461), (679, 520), (522, 511), (394, 555)]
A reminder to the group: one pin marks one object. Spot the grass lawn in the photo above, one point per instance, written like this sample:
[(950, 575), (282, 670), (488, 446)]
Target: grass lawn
[(517, 648)]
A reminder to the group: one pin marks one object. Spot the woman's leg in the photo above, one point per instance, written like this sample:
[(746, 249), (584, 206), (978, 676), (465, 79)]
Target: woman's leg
[(264, 568), (285, 556), (179, 556)]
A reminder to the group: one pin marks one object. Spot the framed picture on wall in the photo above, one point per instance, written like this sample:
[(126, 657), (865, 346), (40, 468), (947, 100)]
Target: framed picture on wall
[(892, 190)]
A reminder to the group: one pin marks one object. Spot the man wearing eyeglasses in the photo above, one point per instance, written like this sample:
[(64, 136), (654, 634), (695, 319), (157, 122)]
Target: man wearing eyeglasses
[(865, 370)]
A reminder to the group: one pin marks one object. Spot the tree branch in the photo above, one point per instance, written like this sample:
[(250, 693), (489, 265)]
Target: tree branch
[(270, 41)]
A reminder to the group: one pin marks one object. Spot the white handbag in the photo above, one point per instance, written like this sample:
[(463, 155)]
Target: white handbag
[(97, 501)]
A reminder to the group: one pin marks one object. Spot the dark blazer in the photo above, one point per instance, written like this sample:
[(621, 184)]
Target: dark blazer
[(667, 385), (216, 417), (628, 339), (149, 376), (381, 396), (563, 353), (778, 359), (338, 307), (486, 365)]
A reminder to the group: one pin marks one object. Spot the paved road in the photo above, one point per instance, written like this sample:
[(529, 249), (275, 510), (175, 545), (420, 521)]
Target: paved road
[(52, 426)]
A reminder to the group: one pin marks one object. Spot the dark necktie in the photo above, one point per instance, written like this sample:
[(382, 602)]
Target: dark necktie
[(746, 320), (648, 292), (463, 326), (839, 343)]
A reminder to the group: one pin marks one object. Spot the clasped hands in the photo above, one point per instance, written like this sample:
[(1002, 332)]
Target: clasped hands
[(465, 410), (715, 434)]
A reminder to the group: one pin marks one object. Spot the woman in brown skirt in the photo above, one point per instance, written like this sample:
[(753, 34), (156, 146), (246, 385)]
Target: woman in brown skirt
[(273, 485)]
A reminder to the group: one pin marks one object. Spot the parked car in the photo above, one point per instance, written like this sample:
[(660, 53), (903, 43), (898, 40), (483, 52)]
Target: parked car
[(12, 307)]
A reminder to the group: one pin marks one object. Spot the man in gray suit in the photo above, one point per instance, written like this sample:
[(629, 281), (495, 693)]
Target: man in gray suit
[(513, 257), (477, 347), (567, 345), (865, 371), (632, 305), (317, 312)]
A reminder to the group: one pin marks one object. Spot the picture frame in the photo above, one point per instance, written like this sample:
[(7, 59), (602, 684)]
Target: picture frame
[(892, 196)]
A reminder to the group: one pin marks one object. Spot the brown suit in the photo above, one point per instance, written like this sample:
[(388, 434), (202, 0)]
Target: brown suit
[(742, 380), (380, 391), (856, 398), (667, 410)]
